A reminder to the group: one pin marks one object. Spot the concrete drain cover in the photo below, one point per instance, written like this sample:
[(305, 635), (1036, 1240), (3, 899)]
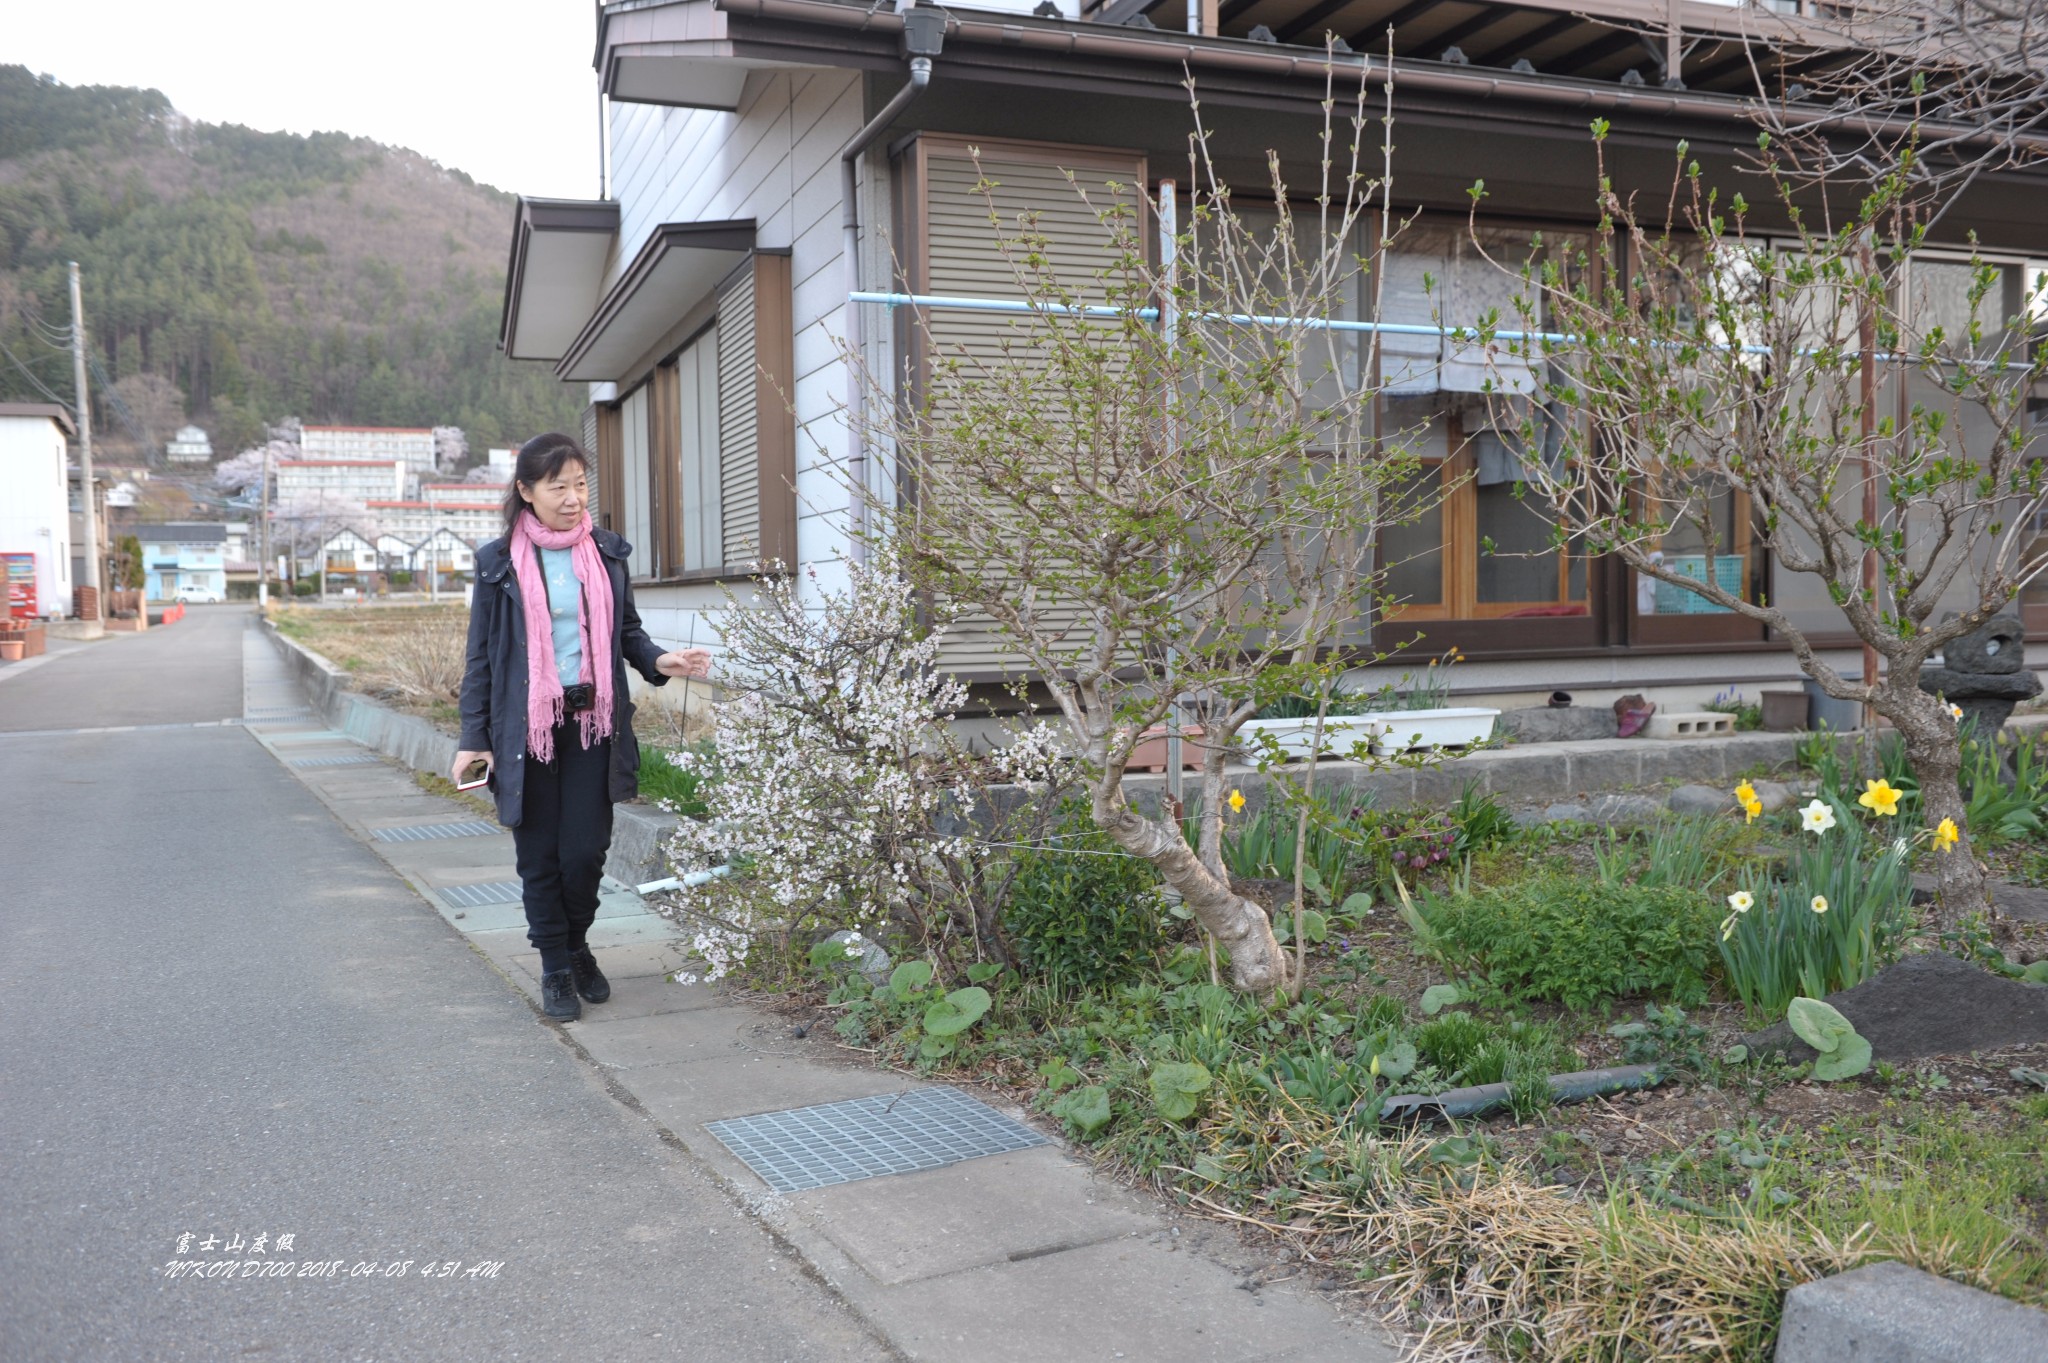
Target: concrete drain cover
[(476, 896), (347, 759), (898, 1133), (421, 832), (273, 711)]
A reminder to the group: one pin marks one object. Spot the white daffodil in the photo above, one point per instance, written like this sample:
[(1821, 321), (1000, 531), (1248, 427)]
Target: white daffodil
[(1817, 818), (1742, 901)]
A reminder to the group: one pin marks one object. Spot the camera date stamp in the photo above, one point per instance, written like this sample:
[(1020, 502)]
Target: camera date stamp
[(274, 1257)]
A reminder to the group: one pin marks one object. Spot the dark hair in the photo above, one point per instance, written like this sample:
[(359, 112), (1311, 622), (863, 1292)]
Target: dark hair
[(540, 459)]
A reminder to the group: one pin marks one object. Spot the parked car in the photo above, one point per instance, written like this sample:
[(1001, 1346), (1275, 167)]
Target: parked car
[(193, 594)]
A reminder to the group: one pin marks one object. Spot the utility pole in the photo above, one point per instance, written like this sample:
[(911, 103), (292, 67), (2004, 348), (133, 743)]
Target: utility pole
[(89, 518), (263, 531)]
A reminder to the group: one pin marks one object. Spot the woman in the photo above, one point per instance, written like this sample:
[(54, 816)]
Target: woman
[(551, 629)]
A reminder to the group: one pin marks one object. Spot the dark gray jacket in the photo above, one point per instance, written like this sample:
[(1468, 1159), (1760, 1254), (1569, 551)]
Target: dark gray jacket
[(494, 678)]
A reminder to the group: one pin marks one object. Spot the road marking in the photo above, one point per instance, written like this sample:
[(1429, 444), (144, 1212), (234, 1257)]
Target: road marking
[(121, 729)]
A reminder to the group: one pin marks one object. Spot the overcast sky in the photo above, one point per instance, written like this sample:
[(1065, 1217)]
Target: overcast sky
[(502, 89)]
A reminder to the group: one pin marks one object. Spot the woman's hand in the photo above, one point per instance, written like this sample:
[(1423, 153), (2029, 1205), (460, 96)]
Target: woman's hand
[(463, 761), (685, 662)]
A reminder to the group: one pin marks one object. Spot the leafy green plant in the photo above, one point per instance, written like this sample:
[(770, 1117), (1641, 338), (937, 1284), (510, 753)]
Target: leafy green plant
[(1086, 1109), (679, 787), (1748, 715), (1262, 847), (1565, 939), (1844, 1054), (1840, 914), (1692, 851), (1081, 913), (1177, 1088), (1664, 1037), (946, 1018)]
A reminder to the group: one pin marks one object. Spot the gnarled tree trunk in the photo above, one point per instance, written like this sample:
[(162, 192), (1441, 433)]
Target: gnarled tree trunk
[(1933, 748)]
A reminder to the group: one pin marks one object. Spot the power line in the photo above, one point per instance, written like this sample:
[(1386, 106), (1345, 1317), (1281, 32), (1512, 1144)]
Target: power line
[(29, 374)]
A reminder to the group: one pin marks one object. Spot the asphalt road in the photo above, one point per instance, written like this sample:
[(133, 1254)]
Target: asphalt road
[(220, 1016)]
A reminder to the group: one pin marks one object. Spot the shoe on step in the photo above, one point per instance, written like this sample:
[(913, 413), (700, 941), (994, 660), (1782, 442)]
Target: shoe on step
[(590, 981), (558, 996)]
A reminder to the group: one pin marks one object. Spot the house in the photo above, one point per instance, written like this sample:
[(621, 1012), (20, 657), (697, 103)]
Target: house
[(347, 480), (766, 159), (36, 534), (189, 446), (444, 560), (346, 561), (183, 554), (410, 445)]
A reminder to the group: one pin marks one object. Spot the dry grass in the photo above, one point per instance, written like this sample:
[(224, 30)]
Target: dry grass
[(409, 655)]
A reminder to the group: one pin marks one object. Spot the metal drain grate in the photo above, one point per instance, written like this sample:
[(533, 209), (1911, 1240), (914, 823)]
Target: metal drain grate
[(476, 896), (421, 832), (816, 1147), (346, 759)]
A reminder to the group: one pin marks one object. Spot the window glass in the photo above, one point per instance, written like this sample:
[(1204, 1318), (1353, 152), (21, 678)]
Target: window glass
[(634, 490), (698, 450)]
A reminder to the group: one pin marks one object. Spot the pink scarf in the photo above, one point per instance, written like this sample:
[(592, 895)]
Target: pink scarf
[(593, 619)]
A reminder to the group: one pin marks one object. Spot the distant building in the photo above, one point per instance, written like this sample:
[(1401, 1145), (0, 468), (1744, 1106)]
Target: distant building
[(355, 480), (413, 445), (182, 554), (189, 446), (504, 460), (35, 524), (413, 519)]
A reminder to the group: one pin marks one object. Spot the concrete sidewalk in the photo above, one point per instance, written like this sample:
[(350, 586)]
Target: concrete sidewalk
[(1024, 1255)]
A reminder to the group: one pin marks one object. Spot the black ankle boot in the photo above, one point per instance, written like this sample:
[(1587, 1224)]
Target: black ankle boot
[(558, 996), (590, 981)]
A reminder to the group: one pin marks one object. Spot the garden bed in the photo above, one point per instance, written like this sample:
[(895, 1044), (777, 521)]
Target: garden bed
[(1659, 1224)]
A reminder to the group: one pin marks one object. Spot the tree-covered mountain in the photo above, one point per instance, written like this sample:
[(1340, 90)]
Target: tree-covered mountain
[(265, 274)]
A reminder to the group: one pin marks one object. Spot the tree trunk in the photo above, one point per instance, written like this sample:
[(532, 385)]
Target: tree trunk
[(1934, 748), (1256, 963)]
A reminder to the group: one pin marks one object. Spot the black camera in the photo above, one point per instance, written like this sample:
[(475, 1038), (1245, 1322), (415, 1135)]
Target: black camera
[(579, 697)]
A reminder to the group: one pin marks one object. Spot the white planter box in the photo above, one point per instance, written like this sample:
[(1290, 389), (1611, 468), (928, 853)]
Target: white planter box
[(1389, 732)]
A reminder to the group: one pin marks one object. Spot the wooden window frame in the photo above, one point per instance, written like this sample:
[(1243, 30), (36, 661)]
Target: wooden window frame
[(774, 358)]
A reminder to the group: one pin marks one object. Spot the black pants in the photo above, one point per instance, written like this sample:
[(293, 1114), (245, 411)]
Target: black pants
[(563, 835)]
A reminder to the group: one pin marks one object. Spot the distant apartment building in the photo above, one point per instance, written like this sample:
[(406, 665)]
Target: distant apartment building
[(183, 554), (354, 480), (413, 445), (189, 446), (414, 519)]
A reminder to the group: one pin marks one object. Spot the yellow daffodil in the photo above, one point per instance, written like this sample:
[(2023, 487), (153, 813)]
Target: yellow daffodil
[(1819, 904), (1751, 810), (1742, 901), (1817, 818), (1745, 794), (1946, 835), (1236, 801), (1879, 797)]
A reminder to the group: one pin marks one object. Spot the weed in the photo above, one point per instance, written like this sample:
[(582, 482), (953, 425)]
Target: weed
[(1080, 915)]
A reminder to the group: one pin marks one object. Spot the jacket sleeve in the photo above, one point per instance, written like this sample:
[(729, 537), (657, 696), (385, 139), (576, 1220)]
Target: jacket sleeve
[(638, 649), (476, 676)]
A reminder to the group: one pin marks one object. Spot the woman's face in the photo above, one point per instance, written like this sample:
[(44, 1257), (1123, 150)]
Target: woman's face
[(559, 499)]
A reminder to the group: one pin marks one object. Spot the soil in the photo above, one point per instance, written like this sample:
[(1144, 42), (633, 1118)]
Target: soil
[(1928, 1005)]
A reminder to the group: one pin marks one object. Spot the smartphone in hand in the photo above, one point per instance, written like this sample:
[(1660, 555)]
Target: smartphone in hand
[(476, 775)]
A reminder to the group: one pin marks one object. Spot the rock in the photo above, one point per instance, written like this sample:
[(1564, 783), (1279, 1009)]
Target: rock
[(1997, 645), (2021, 902), (1701, 800), (1928, 1005), (1562, 724), (1567, 813), (1890, 1313), (874, 962), (1623, 809), (1774, 795)]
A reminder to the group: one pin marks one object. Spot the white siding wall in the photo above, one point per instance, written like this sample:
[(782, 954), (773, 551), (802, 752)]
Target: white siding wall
[(35, 515), (775, 160)]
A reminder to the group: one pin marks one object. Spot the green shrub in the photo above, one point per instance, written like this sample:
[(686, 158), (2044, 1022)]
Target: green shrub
[(1563, 939), (1081, 912)]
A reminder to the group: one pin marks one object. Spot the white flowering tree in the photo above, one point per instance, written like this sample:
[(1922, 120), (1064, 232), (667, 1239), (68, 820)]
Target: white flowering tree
[(845, 798), (451, 447), (244, 472), (1154, 512), (1870, 405)]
